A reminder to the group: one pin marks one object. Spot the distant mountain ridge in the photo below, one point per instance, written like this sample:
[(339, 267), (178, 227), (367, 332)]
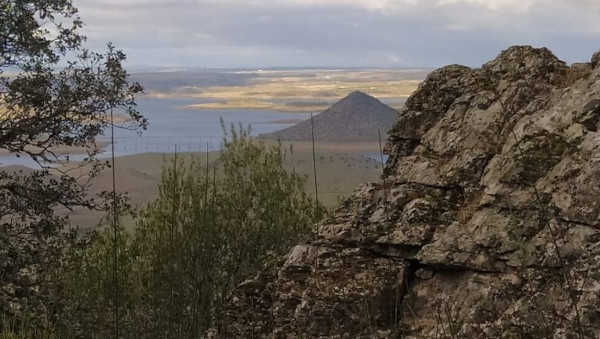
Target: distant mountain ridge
[(357, 117)]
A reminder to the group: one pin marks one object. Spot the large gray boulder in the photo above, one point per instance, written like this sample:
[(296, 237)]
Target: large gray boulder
[(487, 224)]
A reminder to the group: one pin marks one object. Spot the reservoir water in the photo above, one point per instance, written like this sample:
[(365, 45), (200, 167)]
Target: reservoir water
[(172, 125)]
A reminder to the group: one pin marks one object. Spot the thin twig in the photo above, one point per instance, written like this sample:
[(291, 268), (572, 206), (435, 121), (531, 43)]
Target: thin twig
[(312, 134), (387, 224), (115, 223), (368, 313), (439, 320), (451, 324)]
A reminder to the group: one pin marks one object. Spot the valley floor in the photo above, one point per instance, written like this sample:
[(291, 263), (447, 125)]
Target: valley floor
[(341, 167)]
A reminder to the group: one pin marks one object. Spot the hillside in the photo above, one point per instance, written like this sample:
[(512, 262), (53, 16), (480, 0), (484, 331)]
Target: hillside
[(357, 117), (487, 224)]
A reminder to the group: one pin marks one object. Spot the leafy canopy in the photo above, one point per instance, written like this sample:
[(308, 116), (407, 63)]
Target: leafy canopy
[(53, 93)]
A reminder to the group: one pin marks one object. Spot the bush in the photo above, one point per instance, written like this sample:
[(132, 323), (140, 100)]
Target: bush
[(210, 227)]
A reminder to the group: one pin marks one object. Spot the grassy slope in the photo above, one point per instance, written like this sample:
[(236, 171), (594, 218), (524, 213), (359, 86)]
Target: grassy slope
[(341, 167)]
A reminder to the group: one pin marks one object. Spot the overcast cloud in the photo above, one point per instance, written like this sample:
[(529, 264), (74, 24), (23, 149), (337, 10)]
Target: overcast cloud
[(337, 33)]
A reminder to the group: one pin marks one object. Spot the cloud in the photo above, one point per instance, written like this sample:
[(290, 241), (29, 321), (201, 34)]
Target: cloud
[(510, 6), (376, 33), (457, 27)]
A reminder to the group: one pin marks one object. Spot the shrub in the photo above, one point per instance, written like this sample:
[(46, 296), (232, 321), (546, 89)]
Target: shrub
[(211, 226)]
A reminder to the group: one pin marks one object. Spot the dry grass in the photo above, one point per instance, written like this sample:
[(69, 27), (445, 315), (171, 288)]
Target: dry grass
[(574, 73), (469, 207), (303, 91), (341, 167)]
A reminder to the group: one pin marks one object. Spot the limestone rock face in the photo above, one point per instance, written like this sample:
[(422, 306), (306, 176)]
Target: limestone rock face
[(487, 224)]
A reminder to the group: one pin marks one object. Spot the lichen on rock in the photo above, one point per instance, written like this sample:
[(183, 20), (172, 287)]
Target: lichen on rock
[(487, 223)]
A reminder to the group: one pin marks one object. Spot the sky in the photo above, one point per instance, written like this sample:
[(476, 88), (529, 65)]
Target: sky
[(337, 33)]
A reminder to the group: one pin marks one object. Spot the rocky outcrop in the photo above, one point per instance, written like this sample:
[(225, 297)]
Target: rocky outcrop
[(485, 225)]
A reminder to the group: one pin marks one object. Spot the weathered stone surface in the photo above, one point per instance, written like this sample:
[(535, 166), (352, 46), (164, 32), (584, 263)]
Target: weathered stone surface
[(595, 60), (321, 290), (487, 223)]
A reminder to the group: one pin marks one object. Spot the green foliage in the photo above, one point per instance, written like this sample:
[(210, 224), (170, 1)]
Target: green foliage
[(42, 108), (90, 289), (211, 227), (22, 329)]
